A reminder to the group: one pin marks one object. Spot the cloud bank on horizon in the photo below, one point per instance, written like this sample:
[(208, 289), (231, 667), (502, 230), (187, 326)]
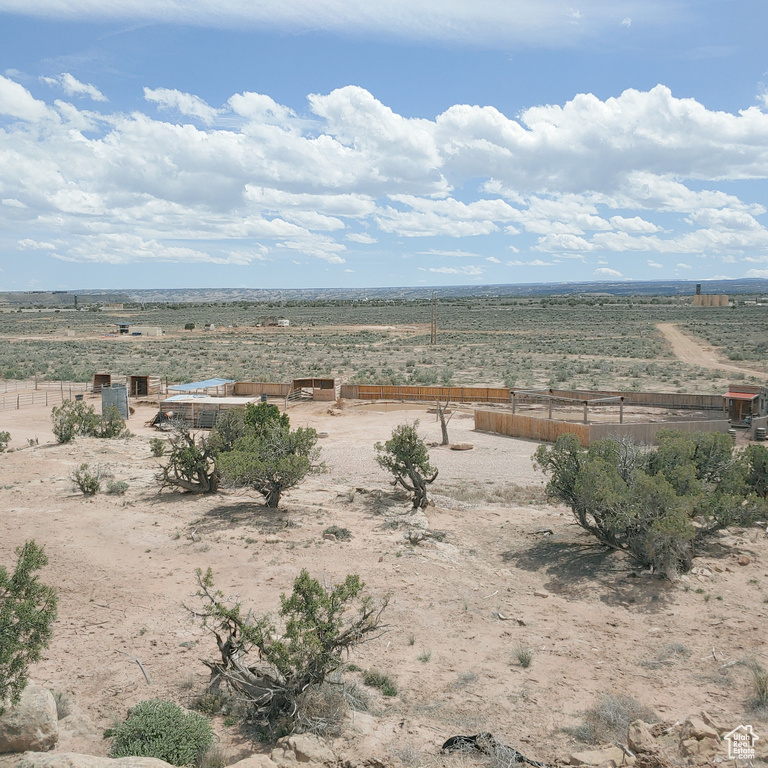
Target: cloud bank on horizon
[(641, 185)]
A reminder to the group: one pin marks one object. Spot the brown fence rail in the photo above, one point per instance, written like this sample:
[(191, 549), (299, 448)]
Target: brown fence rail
[(425, 394), (32, 397), (648, 399), (255, 388), (548, 430), (545, 430)]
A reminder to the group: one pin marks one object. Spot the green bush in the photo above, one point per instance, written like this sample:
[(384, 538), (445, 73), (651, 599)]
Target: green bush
[(163, 730), (117, 487), (5, 438), (319, 625), (73, 418), (657, 504), (27, 613), (86, 481), (157, 446), (384, 683)]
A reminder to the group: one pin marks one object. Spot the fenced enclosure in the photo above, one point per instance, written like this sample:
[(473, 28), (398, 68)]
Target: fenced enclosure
[(15, 395), (548, 430)]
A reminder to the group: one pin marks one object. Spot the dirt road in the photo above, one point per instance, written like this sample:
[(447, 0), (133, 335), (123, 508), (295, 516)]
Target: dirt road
[(696, 352)]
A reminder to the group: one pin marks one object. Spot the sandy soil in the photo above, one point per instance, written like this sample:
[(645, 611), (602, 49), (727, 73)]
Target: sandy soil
[(124, 568), (697, 352)]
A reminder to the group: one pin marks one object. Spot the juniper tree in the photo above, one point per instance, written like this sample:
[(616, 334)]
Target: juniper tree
[(27, 613)]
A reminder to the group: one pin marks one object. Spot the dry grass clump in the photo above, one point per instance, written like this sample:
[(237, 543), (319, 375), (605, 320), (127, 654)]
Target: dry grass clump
[(322, 708), (758, 701), (609, 719), (508, 494)]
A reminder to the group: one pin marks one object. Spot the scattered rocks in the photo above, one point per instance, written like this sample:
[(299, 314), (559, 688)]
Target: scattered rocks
[(302, 748), (601, 756), (640, 739), (75, 760), (32, 725), (696, 728)]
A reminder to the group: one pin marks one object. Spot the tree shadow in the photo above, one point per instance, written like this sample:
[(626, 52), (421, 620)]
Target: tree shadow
[(577, 571), (239, 514)]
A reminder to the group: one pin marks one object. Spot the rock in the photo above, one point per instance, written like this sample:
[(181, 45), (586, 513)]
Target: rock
[(75, 760), (696, 728), (462, 446), (32, 725), (743, 560), (601, 756), (710, 721), (361, 722), (302, 748), (703, 748), (640, 739), (541, 593), (330, 537), (255, 761)]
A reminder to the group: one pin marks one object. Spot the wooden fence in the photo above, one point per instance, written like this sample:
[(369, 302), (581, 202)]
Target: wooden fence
[(545, 430), (548, 430), (425, 394), (255, 388), (648, 399)]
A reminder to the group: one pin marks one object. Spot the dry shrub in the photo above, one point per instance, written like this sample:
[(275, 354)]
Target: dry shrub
[(322, 707), (609, 719), (508, 494)]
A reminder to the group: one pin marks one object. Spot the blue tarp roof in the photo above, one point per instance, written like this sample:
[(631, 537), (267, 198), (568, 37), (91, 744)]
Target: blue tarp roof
[(207, 384), (182, 398)]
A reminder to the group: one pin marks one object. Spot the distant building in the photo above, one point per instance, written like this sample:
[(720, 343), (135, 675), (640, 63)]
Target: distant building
[(709, 299)]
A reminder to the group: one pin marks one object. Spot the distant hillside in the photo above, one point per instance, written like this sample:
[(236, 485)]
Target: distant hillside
[(649, 288), (752, 286)]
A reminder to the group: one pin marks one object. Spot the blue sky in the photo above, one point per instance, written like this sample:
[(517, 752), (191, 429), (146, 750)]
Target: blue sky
[(225, 143)]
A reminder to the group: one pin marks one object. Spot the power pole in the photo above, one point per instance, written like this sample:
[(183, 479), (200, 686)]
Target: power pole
[(433, 329)]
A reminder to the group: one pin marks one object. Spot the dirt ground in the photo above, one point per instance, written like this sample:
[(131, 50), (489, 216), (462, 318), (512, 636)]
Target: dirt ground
[(695, 352), (504, 577)]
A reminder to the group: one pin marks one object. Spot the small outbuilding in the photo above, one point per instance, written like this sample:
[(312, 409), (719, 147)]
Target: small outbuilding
[(142, 386), (319, 389), (101, 380), (743, 403)]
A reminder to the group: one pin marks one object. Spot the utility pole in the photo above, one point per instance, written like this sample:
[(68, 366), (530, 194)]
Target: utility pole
[(433, 329)]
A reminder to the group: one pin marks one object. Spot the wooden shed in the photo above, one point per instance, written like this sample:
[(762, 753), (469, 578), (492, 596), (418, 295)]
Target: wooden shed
[(101, 380), (320, 389), (743, 403), (141, 386)]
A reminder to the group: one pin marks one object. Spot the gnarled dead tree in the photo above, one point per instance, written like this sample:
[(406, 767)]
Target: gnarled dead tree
[(191, 463), (441, 411), (315, 634)]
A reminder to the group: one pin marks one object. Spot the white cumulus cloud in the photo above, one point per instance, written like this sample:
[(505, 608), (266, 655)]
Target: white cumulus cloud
[(73, 87)]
